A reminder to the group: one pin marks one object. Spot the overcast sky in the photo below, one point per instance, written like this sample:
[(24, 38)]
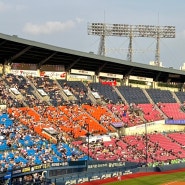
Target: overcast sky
[(64, 23)]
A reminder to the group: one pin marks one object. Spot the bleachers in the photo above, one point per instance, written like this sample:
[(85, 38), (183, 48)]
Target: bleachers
[(107, 93), (102, 115), (50, 88), (29, 148), (172, 110), (5, 120), (171, 150), (181, 96), (24, 87), (133, 95), (81, 122), (150, 113), (164, 96), (126, 114), (80, 118), (180, 139), (78, 89), (5, 95)]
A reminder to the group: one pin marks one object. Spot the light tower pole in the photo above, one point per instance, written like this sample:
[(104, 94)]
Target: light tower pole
[(101, 50), (130, 50), (157, 53)]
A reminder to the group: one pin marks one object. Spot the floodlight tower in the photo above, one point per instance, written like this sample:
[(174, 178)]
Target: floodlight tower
[(101, 30), (130, 50), (162, 32), (125, 30), (101, 50)]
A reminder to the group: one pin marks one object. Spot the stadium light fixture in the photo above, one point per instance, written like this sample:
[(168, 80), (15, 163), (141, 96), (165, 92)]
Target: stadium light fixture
[(125, 30)]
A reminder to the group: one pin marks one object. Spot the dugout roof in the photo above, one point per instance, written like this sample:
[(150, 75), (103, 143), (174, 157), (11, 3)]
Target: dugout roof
[(17, 50)]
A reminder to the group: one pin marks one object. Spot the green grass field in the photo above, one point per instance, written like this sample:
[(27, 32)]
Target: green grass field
[(157, 179)]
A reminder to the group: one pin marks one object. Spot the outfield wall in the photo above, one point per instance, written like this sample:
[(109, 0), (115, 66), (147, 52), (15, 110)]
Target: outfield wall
[(76, 172), (170, 167)]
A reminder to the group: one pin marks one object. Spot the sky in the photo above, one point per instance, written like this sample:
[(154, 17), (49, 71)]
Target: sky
[(64, 23)]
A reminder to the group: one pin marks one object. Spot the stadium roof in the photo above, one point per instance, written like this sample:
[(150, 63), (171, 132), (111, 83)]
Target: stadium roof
[(17, 50)]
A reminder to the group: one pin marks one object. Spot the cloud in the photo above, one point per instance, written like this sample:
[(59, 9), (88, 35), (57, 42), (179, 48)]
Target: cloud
[(49, 27)]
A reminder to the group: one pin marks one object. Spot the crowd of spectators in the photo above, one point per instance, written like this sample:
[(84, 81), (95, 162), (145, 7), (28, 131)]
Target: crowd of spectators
[(22, 147), (140, 149), (26, 146), (49, 87), (78, 89), (5, 96), (131, 115), (23, 91)]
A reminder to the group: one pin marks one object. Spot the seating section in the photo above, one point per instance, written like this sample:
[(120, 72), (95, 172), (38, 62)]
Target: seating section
[(178, 138), (172, 110), (136, 148), (164, 96), (78, 89), (22, 146), (133, 95), (107, 93), (102, 115), (171, 150), (128, 114), (25, 139), (24, 87), (153, 148), (82, 122), (50, 87), (5, 120), (150, 112), (181, 96), (5, 95)]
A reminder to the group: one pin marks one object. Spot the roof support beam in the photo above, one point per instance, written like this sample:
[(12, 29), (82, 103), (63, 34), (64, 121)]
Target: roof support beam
[(11, 59), (2, 42), (157, 77), (70, 66), (45, 60), (100, 68), (129, 72)]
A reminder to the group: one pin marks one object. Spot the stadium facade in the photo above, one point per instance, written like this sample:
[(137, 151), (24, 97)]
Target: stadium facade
[(25, 64)]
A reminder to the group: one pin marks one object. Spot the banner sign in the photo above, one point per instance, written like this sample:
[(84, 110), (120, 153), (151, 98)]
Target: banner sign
[(76, 71), (39, 167), (53, 74), (140, 78), (81, 77), (106, 165), (117, 124), (110, 75), (25, 72), (175, 122), (109, 82)]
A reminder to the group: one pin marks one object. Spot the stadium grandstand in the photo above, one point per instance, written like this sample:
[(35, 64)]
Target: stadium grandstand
[(68, 117)]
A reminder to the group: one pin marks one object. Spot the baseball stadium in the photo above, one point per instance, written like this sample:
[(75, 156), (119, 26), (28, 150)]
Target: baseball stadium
[(71, 117)]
